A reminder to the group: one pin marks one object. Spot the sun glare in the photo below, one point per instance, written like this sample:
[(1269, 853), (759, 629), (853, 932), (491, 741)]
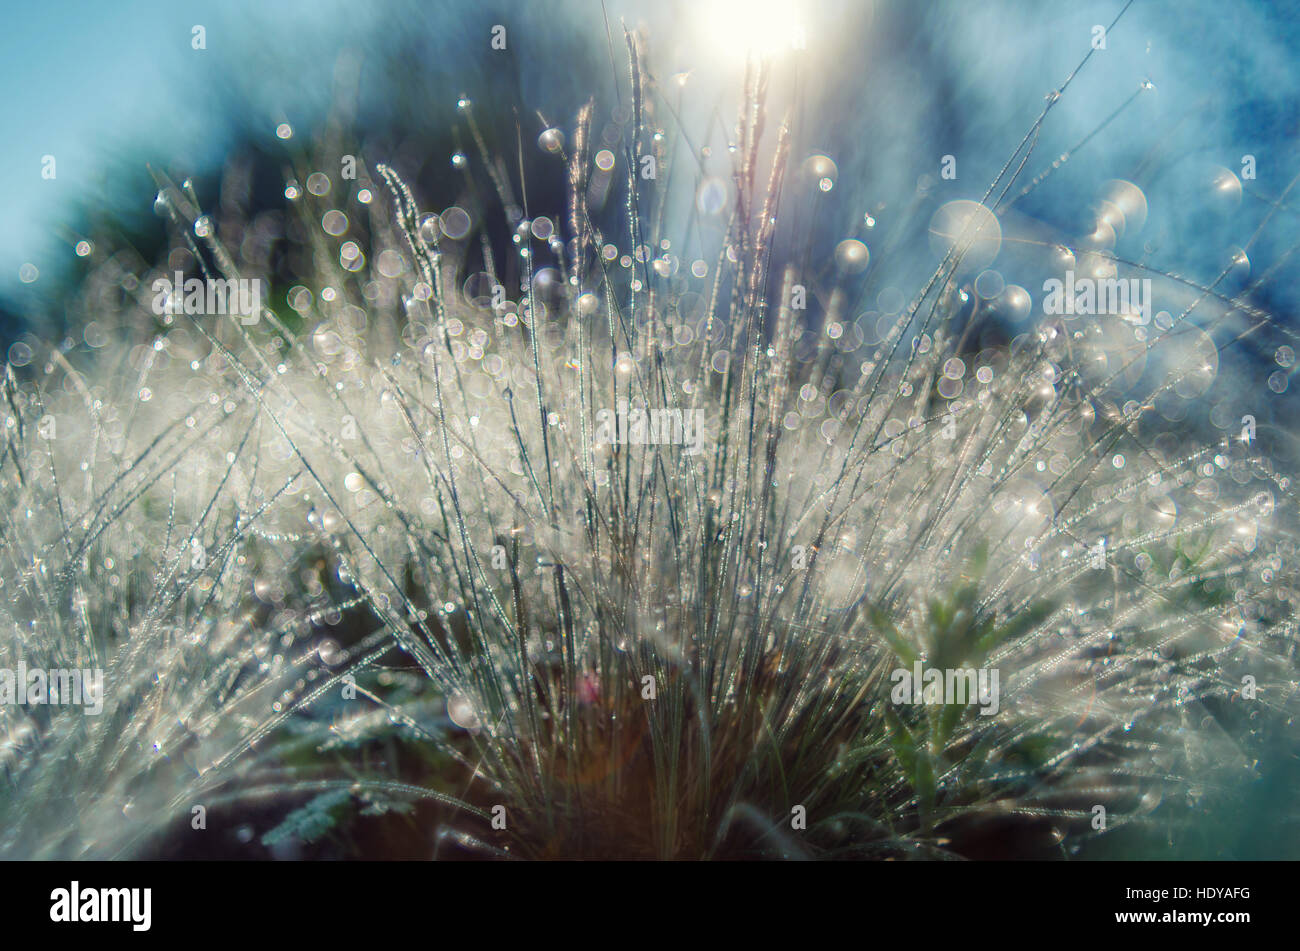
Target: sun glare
[(739, 29)]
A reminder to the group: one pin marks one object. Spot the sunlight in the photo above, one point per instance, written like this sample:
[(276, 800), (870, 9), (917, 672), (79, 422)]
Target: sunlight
[(742, 28)]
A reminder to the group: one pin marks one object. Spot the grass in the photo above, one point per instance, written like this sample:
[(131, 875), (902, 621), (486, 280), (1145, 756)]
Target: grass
[(390, 520)]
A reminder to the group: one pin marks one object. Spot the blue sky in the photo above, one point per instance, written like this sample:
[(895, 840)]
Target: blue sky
[(86, 82)]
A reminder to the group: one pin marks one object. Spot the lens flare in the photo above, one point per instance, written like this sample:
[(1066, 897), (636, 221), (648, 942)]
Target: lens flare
[(740, 29)]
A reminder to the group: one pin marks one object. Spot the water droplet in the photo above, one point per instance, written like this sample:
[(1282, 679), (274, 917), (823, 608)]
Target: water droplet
[(551, 140)]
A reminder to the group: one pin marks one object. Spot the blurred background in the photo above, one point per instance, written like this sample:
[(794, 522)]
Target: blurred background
[(885, 89)]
